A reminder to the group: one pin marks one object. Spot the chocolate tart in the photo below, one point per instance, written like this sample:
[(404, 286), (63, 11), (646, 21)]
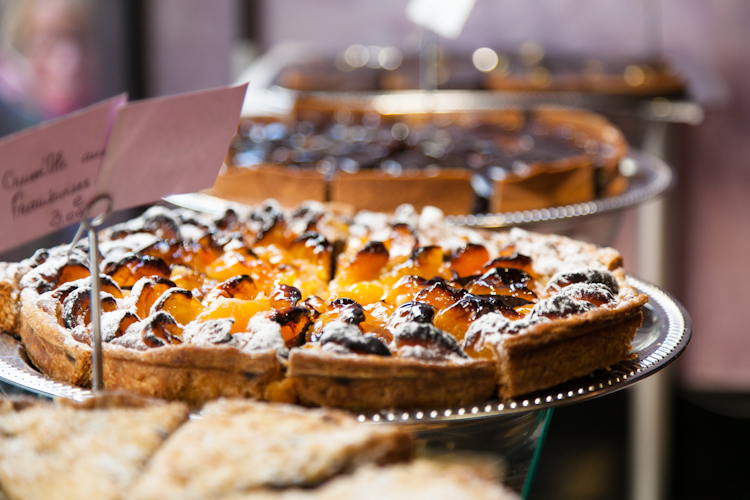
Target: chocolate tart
[(462, 162)]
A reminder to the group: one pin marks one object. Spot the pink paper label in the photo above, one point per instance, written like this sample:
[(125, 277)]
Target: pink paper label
[(49, 172), (169, 145)]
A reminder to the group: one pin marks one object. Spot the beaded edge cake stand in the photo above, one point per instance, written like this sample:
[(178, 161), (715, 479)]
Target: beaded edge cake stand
[(663, 336)]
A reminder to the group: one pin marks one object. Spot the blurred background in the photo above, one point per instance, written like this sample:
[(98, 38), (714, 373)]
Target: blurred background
[(684, 434)]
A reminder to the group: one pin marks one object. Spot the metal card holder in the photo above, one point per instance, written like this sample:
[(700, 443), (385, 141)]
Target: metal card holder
[(97, 382)]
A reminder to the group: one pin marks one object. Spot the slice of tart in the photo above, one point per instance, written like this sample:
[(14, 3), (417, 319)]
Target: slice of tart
[(242, 446), (95, 449)]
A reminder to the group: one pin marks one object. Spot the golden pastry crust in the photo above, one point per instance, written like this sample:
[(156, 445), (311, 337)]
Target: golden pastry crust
[(546, 355), (366, 190), (192, 373), (255, 446), (72, 450), (255, 185), (571, 180), (656, 81), (9, 295), (374, 382)]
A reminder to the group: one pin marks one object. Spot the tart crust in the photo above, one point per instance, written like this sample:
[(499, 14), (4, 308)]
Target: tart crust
[(252, 186), (366, 190), (373, 382)]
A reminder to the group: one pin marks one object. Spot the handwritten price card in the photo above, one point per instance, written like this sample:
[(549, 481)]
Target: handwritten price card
[(137, 153), (49, 172), (169, 145)]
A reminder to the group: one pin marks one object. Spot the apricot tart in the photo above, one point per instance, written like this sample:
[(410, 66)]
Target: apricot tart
[(498, 161), (325, 307)]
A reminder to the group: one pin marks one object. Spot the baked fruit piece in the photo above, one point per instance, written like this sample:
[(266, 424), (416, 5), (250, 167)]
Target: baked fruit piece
[(420, 480), (69, 450), (255, 446), (368, 311)]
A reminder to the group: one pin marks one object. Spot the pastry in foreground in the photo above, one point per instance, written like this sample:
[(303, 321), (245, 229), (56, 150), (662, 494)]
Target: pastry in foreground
[(327, 308), (237, 446), (94, 449), (420, 480)]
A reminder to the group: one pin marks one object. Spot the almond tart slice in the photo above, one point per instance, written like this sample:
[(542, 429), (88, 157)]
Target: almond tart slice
[(419, 480), (255, 446), (584, 326), (70, 450)]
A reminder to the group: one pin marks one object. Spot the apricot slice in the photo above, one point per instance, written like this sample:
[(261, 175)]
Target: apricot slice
[(133, 267), (115, 323), (146, 292), (283, 296), (405, 289), (351, 339), (365, 266), (440, 295), (76, 308), (294, 321), (239, 310), (238, 287), (469, 259), (161, 329), (180, 304)]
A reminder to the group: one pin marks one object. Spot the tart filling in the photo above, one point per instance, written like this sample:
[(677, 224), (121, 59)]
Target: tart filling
[(327, 308)]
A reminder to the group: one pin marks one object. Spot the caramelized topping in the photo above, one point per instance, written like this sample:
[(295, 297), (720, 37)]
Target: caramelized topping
[(440, 295), (418, 312), (351, 339), (561, 280), (132, 267), (424, 341), (160, 329), (76, 310), (282, 296), (238, 287), (294, 321), (514, 261), (457, 318), (469, 260), (115, 323)]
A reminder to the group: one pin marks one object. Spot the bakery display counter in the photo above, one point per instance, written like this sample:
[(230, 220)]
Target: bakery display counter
[(503, 435)]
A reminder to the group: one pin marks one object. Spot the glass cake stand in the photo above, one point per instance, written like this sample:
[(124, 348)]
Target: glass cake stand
[(503, 437)]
